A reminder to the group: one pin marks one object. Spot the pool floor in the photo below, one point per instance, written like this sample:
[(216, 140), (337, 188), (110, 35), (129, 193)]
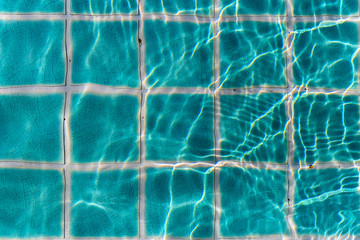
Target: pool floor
[(173, 119)]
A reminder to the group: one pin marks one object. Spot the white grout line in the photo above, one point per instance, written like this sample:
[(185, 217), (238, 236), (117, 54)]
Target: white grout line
[(178, 18), (132, 165), (67, 202), (217, 203), (254, 237), (289, 113), (217, 206), (142, 179), (141, 45), (102, 89)]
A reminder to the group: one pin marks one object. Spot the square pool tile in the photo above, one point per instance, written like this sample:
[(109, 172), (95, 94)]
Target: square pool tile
[(104, 7), (32, 52), (179, 127), (104, 128), (326, 128), (252, 54), (179, 203), (253, 202), (105, 53), (252, 7), (179, 7), (31, 127), (31, 203), (178, 54), (104, 203), (32, 6), (253, 127), (325, 7), (327, 202), (325, 54)]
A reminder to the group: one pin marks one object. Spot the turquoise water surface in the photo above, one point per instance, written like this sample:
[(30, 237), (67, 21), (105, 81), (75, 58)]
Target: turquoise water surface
[(180, 202), (101, 208), (33, 206), (159, 119), (252, 54), (104, 7), (39, 59), (105, 52), (189, 45)]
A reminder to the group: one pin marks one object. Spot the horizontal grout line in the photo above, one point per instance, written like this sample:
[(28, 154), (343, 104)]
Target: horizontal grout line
[(254, 237), (147, 164), (179, 18), (101, 89)]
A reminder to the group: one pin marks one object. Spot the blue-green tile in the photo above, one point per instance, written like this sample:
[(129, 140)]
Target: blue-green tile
[(179, 127), (253, 127), (104, 203), (31, 127), (32, 52), (31, 203), (325, 7), (179, 202), (253, 202), (252, 7), (105, 53), (95, 7), (104, 128), (327, 202), (326, 128), (178, 54), (252, 54), (325, 54), (179, 7), (32, 6)]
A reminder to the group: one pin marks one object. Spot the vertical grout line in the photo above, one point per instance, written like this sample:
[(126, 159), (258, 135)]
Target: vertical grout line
[(66, 122), (142, 122), (216, 119), (357, 72), (142, 171), (289, 113)]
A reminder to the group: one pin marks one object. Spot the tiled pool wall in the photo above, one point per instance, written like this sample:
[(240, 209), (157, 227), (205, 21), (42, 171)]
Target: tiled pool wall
[(184, 119)]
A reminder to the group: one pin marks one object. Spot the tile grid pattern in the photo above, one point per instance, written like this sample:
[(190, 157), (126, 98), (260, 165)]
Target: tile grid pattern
[(68, 89)]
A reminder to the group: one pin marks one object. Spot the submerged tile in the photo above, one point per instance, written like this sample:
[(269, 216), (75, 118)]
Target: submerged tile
[(104, 128), (104, 203), (252, 54), (326, 128), (253, 7), (179, 7), (253, 127), (178, 54), (32, 52), (325, 7), (31, 127), (179, 127), (253, 202), (179, 202), (325, 54), (31, 203), (32, 6), (104, 7), (327, 202), (105, 53)]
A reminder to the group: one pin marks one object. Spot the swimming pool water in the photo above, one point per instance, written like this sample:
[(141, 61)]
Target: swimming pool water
[(159, 119)]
